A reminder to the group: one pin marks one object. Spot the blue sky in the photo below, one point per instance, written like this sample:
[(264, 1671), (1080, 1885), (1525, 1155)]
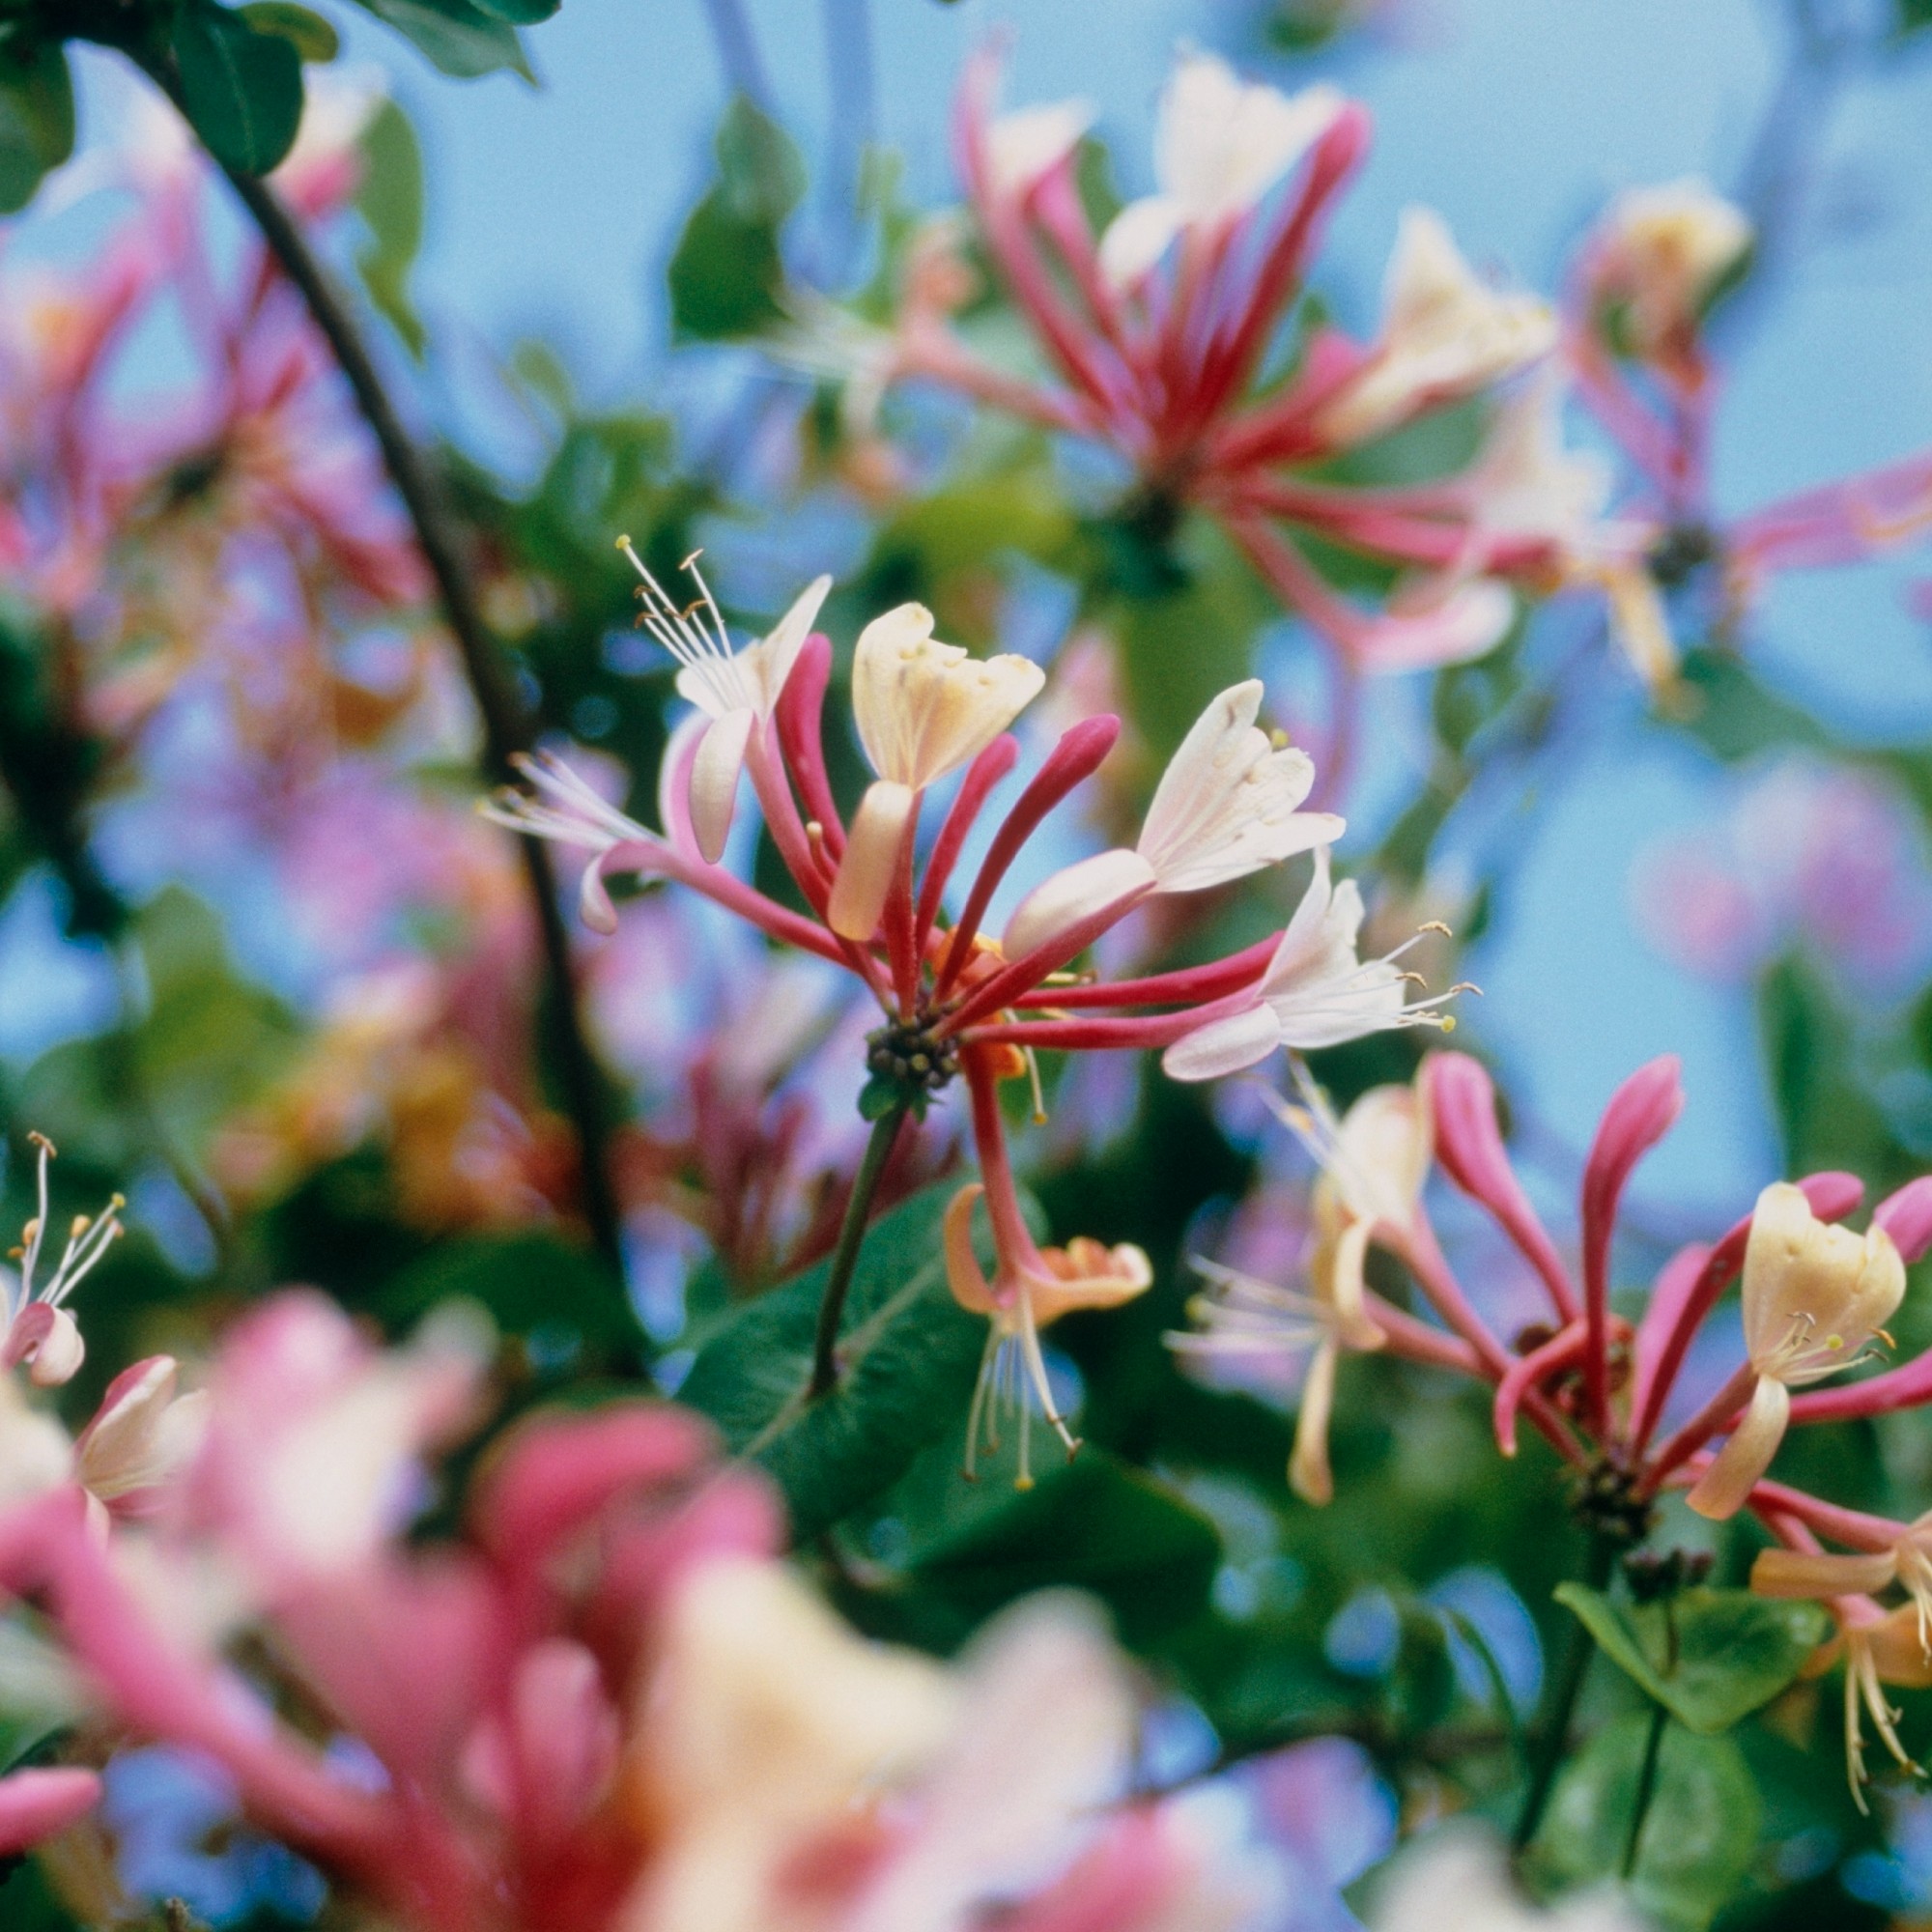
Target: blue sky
[(553, 211)]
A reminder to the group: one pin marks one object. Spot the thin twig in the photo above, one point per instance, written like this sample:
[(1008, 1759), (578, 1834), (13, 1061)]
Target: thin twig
[(506, 725), (1552, 1739)]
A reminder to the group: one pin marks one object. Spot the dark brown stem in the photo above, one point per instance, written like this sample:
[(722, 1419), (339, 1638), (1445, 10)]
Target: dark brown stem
[(506, 724), (845, 1257)]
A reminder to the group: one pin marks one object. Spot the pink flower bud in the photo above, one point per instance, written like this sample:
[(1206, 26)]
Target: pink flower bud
[(1907, 1217)]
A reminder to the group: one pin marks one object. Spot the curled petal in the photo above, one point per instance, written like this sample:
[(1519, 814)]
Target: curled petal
[(1806, 1573), (964, 1276), (715, 771), (871, 857), (1138, 237), (1309, 1474), (1723, 1487), (49, 1340)]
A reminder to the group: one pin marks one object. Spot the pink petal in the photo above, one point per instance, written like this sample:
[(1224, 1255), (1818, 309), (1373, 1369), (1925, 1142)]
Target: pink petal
[(1907, 1217)]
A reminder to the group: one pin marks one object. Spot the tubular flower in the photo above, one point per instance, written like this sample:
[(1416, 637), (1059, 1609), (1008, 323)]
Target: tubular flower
[(1445, 335), (1316, 992), (1816, 1297), (1032, 1287), (1162, 334), (1227, 806), (1874, 1648), (605, 1705), (924, 709), (1594, 1385), (1372, 1167), (737, 690), (954, 1000), (1637, 298), (40, 1331), (1906, 1560)]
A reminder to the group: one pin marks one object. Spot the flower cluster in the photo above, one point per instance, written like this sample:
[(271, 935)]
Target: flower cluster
[(1169, 338), (606, 1708), (956, 1002), (1597, 1384)]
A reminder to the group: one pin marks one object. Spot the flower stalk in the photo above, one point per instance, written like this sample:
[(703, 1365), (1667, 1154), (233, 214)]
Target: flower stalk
[(846, 1255)]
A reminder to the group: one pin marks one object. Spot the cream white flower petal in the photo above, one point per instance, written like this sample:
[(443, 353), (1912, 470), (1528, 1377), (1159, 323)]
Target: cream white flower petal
[(1075, 893), (1445, 333), (1435, 625), (1224, 1045), (768, 662), (1525, 483), (1665, 250), (1815, 1293), (1222, 143), (1226, 805), (1722, 1490), (871, 857), (1025, 146), (714, 772), (1138, 237), (926, 708)]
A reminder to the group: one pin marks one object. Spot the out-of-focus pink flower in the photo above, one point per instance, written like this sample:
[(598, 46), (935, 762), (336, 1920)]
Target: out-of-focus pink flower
[(36, 1804), (607, 1708), (1805, 854)]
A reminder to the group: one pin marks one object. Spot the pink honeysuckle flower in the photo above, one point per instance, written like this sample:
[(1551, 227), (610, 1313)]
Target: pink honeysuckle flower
[(1227, 805), (39, 1332), (606, 1707), (1316, 992), (736, 691), (1816, 1297), (1159, 335), (321, 171), (312, 1433), (1595, 1386), (953, 999)]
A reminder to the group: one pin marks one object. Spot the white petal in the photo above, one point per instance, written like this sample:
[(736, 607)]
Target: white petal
[(1226, 806), (1028, 144), (1221, 143), (1072, 895), (714, 780), (1138, 237), (925, 708), (1223, 1046), (1723, 1487), (871, 857), (1321, 938), (768, 663)]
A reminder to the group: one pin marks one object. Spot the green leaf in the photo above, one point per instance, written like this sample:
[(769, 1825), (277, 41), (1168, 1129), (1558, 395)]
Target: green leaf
[(726, 273), (241, 89), (909, 1352), (312, 37), (390, 202), (1094, 1524), (569, 1311), (1700, 1831), (1733, 1651), (456, 37), (36, 120)]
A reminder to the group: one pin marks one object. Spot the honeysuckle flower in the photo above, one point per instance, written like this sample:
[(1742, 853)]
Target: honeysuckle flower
[(39, 1332), (1658, 257), (1825, 1574), (1816, 1297), (1220, 145), (1228, 804), (1372, 1167), (1032, 1287), (768, 1722), (1316, 991), (1445, 335), (924, 709), (1874, 1648), (143, 1435), (737, 690)]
